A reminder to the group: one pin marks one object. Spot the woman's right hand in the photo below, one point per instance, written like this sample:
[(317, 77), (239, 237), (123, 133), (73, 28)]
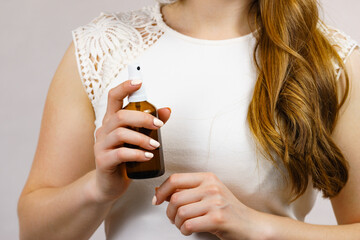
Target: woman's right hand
[(110, 180)]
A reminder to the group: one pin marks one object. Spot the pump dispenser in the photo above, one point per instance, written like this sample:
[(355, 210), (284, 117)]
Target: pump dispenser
[(138, 102), (134, 71)]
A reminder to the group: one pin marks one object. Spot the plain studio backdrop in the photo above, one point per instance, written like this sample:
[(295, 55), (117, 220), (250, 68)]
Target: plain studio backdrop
[(34, 37)]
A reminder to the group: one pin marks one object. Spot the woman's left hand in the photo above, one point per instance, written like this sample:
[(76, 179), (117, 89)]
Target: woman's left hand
[(200, 202)]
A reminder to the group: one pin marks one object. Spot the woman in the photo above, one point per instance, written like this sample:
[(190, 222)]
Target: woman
[(242, 77)]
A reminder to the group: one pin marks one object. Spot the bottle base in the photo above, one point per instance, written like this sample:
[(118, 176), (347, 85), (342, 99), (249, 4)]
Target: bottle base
[(145, 175)]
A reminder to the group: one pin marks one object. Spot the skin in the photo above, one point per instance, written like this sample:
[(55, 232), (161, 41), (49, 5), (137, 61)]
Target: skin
[(74, 181)]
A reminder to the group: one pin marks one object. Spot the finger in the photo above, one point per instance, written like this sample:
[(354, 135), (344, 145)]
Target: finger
[(118, 93), (114, 157), (124, 135), (182, 198), (177, 181), (164, 114), (131, 118), (206, 223), (169, 197), (189, 211)]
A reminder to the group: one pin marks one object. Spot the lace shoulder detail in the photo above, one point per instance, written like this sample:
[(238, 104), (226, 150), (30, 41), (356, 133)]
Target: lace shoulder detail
[(111, 41), (343, 43)]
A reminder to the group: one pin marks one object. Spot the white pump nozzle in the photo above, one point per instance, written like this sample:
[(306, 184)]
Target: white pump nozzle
[(134, 71)]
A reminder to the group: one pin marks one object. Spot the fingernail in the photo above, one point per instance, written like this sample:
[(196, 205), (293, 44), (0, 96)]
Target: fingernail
[(154, 200), (149, 155), (136, 82), (158, 122), (154, 143), (169, 109)]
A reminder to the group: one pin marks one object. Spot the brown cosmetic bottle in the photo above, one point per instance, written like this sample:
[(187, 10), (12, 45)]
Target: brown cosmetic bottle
[(138, 102)]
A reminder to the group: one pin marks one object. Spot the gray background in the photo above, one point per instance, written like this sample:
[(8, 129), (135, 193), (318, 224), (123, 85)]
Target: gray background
[(34, 37)]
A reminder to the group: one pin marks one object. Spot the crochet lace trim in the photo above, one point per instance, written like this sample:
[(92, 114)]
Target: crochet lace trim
[(112, 40)]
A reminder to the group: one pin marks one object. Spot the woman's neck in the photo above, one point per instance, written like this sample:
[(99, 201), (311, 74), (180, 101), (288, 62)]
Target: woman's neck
[(208, 19)]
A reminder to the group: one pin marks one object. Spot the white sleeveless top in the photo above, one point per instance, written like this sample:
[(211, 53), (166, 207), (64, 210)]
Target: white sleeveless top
[(208, 84)]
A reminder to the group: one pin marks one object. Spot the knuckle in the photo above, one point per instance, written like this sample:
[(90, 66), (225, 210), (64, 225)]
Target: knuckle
[(211, 176), (120, 154), (112, 93), (150, 119), (219, 202), (119, 132), (173, 178), (181, 212), (217, 218), (186, 228), (134, 155), (139, 155), (174, 199), (129, 154), (213, 190), (119, 116), (141, 140)]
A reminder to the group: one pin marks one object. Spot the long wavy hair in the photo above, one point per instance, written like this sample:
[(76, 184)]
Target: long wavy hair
[(295, 103), (294, 107)]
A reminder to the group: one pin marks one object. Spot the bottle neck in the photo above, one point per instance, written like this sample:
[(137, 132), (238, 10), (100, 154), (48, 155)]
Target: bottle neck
[(138, 96)]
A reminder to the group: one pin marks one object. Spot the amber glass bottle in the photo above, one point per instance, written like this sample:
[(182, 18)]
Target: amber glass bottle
[(138, 102)]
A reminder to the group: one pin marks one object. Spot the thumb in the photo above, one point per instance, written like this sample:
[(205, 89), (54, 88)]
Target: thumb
[(164, 114)]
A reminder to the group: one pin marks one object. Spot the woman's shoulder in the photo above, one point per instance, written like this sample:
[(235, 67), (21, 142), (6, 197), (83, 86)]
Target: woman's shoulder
[(110, 41), (126, 21), (342, 42), (118, 26)]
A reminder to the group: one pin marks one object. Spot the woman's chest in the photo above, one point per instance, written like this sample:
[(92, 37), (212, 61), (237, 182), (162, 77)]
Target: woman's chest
[(209, 92)]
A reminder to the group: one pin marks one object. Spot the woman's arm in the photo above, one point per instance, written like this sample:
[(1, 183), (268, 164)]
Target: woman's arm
[(55, 202), (283, 228), (66, 212), (347, 136), (73, 181)]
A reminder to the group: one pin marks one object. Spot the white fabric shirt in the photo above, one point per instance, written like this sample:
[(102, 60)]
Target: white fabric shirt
[(208, 84)]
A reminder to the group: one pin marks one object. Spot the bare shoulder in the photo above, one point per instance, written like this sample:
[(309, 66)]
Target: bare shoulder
[(352, 65), (65, 146), (347, 137)]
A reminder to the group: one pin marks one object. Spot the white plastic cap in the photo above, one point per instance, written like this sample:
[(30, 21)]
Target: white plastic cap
[(134, 71)]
